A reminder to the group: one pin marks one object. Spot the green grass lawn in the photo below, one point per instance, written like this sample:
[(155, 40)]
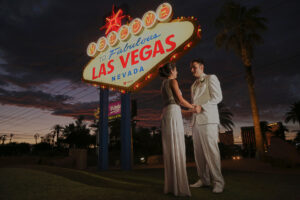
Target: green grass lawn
[(41, 182)]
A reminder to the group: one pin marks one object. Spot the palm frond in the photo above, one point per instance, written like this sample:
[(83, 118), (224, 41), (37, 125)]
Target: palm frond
[(294, 113), (242, 26), (221, 38), (225, 116)]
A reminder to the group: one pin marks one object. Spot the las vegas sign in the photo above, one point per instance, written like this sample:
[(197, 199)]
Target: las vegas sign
[(128, 57)]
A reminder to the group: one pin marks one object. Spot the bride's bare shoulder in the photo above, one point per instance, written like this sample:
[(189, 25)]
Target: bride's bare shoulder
[(173, 81)]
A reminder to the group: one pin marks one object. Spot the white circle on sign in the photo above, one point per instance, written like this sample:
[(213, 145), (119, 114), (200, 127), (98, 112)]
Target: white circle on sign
[(102, 44), (149, 19), (91, 49), (136, 26), (164, 12), (112, 38), (124, 33)]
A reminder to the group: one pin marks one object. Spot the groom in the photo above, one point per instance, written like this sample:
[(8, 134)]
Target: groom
[(206, 94)]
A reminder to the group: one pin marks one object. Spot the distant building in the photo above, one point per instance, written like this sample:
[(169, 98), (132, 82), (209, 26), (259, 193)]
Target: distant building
[(248, 140), (268, 130), (226, 138), (248, 136)]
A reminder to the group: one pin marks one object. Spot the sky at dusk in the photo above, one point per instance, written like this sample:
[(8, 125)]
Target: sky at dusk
[(43, 51)]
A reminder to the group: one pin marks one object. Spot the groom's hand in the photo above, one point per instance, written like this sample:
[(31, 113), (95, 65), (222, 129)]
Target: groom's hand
[(198, 109)]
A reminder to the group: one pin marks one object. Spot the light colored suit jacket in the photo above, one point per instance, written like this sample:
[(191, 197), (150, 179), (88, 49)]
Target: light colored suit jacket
[(206, 92)]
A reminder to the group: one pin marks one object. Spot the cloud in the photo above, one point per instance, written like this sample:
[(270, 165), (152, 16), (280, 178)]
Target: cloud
[(37, 99), (43, 42), (55, 103), (3, 83), (75, 110), (38, 41)]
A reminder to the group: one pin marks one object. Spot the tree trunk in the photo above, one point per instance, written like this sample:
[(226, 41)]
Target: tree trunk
[(255, 116)]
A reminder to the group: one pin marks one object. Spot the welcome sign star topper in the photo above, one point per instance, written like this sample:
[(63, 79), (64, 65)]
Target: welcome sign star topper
[(129, 56)]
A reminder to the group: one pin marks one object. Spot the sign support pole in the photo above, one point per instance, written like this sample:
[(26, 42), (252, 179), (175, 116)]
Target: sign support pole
[(125, 132), (103, 131)]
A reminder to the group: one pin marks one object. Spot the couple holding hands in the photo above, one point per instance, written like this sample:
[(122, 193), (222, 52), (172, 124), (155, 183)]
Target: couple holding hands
[(206, 94)]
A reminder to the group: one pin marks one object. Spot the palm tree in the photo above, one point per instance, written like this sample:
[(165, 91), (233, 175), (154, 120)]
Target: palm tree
[(239, 31), (280, 132), (95, 126), (297, 138), (225, 117), (48, 138), (294, 113), (10, 137), (3, 138), (53, 138), (36, 136), (77, 134), (56, 131)]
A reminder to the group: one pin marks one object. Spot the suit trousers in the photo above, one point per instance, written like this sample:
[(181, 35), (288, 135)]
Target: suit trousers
[(207, 154)]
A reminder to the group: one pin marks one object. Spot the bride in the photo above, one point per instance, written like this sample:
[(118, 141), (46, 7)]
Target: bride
[(173, 142)]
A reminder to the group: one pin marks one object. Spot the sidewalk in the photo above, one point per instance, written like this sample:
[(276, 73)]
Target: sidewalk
[(253, 165), (247, 165)]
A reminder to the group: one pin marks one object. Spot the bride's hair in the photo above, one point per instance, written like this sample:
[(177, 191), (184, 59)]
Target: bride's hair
[(165, 71)]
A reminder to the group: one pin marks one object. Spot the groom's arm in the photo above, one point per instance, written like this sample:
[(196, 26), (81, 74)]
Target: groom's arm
[(214, 90), (198, 107)]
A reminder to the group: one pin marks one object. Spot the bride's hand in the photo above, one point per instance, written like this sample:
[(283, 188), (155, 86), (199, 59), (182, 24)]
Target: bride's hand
[(186, 113), (197, 108)]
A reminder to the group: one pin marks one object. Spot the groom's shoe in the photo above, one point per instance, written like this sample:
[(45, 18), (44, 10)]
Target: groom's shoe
[(218, 189), (198, 184)]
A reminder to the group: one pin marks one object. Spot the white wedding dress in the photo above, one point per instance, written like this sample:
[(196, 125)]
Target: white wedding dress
[(176, 180)]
